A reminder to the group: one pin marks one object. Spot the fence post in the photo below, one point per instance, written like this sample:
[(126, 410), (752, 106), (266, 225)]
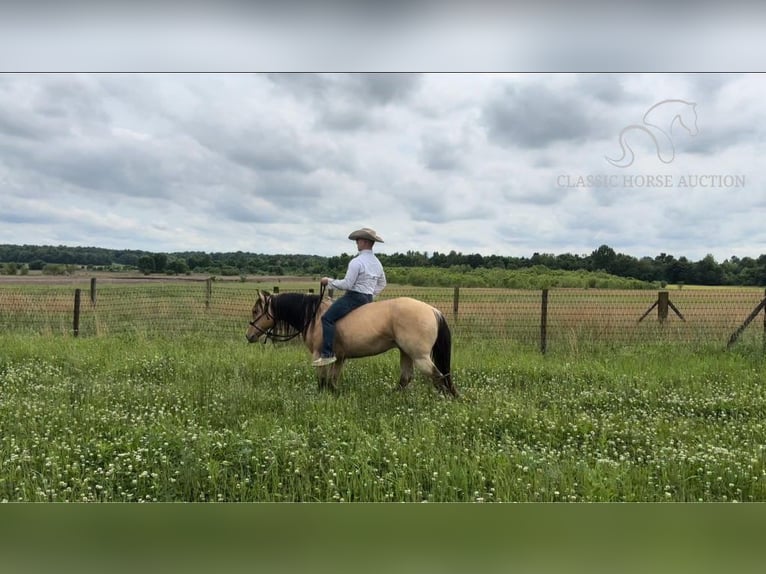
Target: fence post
[(455, 302), (276, 289), (544, 322), (208, 292), (76, 320), (764, 321), (311, 290), (93, 290), (662, 305)]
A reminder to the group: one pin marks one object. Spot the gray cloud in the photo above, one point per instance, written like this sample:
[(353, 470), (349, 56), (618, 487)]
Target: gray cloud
[(288, 192), (608, 88), (383, 89), (443, 208), (534, 116), (17, 216), (442, 154), (374, 89), (45, 109), (241, 210), (263, 155), (348, 102), (302, 85), (470, 163)]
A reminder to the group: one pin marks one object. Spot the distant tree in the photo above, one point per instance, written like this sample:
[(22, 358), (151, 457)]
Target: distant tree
[(681, 271), (439, 259), (178, 266), (199, 260), (708, 272), (160, 262), (146, 264), (603, 258), (475, 260), (759, 274)]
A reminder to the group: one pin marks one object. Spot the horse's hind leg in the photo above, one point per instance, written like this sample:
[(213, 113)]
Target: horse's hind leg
[(405, 370)]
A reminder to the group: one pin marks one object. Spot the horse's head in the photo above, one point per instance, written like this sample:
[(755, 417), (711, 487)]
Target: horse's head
[(263, 318)]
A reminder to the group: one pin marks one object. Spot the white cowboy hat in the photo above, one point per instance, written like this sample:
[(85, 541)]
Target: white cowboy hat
[(365, 233)]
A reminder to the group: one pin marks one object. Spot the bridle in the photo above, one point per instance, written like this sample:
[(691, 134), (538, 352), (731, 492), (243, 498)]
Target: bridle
[(269, 334)]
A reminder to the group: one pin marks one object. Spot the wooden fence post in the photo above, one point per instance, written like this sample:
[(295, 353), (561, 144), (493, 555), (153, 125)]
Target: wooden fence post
[(93, 290), (662, 305), (76, 319), (764, 321), (455, 302), (276, 289), (208, 292), (757, 311), (544, 322)]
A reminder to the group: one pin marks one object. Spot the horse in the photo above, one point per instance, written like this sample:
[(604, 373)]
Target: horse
[(417, 329), (658, 124)]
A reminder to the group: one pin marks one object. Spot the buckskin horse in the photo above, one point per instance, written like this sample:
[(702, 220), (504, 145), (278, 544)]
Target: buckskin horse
[(417, 329)]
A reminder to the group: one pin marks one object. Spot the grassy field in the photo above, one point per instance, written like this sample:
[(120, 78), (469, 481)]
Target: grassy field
[(198, 418), (161, 399)]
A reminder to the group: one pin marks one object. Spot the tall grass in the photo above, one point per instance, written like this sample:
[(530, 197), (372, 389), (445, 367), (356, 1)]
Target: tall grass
[(135, 418)]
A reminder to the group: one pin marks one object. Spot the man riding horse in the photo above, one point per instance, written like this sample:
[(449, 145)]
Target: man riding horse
[(365, 279)]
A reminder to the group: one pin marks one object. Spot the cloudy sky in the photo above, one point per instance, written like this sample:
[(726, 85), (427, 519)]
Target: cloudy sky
[(504, 164)]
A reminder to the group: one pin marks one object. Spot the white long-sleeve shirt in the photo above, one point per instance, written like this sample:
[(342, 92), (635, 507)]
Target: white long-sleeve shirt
[(364, 275)]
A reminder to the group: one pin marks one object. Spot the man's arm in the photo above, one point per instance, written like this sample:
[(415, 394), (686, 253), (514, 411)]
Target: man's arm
[(348, 281), (380, 284)]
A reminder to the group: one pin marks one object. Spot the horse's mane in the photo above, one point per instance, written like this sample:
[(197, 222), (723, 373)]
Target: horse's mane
[(294, 311)]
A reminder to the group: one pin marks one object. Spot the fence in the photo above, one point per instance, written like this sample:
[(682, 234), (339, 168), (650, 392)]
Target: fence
[(547, 319)]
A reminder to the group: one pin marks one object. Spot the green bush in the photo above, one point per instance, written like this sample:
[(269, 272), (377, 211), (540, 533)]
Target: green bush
[(58, 269), (537, 277)]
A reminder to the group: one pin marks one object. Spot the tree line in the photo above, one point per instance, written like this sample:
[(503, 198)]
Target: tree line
[(663, 268)]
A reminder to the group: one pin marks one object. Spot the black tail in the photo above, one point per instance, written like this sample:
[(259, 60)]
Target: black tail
[(441, 353)]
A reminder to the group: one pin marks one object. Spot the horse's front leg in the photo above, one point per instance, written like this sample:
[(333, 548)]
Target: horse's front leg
[(329, 375), (405, 371), (322, 381)]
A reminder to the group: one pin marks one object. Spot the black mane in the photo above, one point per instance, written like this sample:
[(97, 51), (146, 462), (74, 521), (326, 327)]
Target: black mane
[(294, 311)]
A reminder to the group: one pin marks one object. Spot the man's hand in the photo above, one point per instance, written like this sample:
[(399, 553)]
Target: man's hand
[(324, 280)]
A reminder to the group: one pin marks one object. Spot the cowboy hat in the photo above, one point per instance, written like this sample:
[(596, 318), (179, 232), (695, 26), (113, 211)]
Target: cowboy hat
[(365, 233)]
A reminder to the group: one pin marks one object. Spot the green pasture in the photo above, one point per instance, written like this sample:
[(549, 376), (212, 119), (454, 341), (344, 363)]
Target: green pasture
[(197, 418)]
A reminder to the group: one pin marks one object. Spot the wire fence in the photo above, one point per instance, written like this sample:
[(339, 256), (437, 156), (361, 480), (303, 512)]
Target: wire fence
[(547, 319)]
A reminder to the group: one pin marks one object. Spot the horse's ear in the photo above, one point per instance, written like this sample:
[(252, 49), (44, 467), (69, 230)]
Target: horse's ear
[(263, 295)]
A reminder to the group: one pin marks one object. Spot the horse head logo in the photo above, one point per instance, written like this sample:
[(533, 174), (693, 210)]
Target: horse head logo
[(658, 124)]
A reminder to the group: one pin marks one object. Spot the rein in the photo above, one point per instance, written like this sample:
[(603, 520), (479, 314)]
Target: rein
[(276, 337)]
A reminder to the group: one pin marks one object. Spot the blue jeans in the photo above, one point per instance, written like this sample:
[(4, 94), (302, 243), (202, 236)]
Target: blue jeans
[(339, 309)]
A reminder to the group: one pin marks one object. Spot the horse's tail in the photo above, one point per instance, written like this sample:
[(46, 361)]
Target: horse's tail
[(441, 352)]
